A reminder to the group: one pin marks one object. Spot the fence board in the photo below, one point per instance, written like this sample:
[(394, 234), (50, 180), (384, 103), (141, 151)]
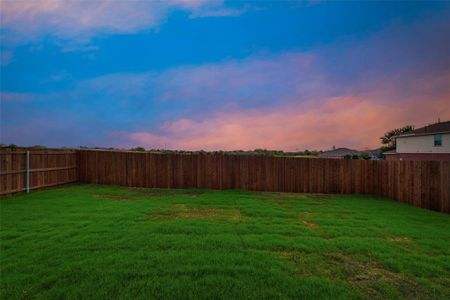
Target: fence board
[(47, 168), (419, 183)]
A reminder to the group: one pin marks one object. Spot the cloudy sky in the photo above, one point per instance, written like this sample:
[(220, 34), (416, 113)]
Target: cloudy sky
[(182, 74)]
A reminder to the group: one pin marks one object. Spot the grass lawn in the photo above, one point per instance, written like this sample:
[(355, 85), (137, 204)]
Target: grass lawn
[(96, 242)]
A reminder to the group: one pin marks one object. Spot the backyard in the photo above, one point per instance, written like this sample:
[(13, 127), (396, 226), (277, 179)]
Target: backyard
[(94, 242)]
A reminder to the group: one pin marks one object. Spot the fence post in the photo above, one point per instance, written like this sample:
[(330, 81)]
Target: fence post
[(28, 171)]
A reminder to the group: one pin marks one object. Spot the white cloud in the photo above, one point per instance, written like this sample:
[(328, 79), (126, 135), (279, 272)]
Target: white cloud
[(218, 12), (80, 20)]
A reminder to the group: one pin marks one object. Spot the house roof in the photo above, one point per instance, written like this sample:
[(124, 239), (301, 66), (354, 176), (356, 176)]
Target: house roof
[(390, 152), (375, 152), (435, 128), (339, 152)]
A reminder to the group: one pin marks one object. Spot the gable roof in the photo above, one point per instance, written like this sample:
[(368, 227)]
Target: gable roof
[(339, 152), (435, 128)]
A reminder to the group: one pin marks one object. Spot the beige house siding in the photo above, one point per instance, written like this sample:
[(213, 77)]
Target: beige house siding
[(423, 144)]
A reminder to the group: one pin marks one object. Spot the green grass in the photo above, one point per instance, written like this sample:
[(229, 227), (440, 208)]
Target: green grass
[(96, 242)]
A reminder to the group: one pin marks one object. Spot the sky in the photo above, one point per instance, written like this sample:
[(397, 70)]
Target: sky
[(220, 75)]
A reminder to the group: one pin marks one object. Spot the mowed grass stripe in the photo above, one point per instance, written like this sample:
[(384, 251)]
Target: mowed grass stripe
[(97, 242)]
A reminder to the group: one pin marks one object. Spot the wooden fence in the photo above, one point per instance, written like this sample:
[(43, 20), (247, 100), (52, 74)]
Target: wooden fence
[(37, 169), (420, 183)]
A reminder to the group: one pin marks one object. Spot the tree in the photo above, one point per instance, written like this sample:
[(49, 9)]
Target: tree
[(388, 139)]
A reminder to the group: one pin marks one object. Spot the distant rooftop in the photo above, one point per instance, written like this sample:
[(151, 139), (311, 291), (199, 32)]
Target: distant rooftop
[(439, 127), (339, 152)]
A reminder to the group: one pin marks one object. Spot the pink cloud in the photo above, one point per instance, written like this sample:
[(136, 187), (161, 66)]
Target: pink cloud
[(280, 101), (289, 102), (347, 121)]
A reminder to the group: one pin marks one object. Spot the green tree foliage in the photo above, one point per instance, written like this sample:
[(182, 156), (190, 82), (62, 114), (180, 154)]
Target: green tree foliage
[(388, 139), (364, 155), (259, 152)]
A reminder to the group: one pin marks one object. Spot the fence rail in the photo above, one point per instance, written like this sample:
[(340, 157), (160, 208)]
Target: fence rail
[(424, 184), (41, 168)]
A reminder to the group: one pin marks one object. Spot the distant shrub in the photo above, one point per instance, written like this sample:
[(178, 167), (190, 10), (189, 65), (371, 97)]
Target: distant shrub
[(141, 149), (365, 155)]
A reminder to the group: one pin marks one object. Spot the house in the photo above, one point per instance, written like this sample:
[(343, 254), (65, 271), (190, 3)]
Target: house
[(375, 154), (431, 142), (346, 152), (339, 153)]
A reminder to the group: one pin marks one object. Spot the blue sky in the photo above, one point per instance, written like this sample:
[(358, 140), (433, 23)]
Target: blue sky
[(221, 75)]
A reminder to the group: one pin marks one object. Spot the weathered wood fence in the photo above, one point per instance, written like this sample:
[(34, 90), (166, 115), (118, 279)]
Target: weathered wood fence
[(420, 183), (21, 170)]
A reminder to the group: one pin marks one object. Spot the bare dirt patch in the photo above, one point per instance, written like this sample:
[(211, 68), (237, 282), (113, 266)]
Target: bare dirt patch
[(309, 224), (306, 219), (398, 239), (181, 211), (369, 276), (403, 242)]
